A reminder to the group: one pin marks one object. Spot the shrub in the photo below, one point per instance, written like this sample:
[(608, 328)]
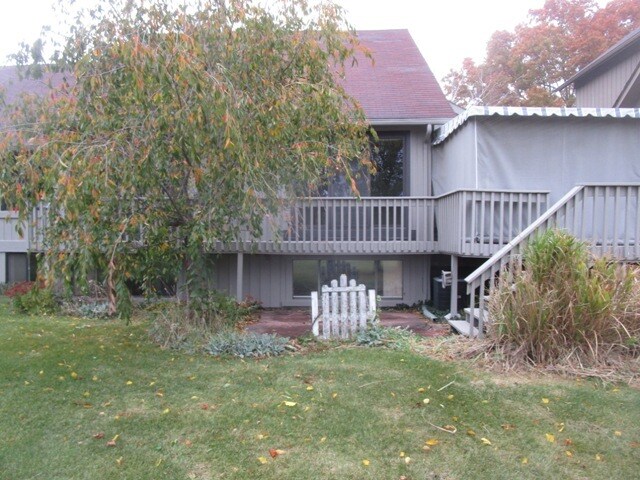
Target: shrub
[(177, 326), (216, 311), (36, 301), (563, 303), (18, 289), (246, 344)]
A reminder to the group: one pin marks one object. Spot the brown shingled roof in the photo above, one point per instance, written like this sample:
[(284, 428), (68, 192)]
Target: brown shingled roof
[(399, 85)]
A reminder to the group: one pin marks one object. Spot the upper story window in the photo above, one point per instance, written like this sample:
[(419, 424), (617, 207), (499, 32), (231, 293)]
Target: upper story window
[(389, 157)]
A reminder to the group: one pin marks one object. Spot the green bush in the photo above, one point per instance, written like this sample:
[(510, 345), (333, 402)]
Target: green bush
[(216, 311), (563, 303), (246, 344), (36, 301)]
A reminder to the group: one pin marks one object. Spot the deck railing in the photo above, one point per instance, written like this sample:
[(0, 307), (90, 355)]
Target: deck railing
[(14, 239), (606, 216), (481, 222), (350, 225), (465, 222)]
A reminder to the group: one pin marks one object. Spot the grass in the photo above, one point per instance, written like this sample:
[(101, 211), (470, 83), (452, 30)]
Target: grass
[(175, 416)]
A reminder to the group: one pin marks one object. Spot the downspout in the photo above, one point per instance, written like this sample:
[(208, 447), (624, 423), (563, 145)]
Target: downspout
[(428, 159), (475, 149)]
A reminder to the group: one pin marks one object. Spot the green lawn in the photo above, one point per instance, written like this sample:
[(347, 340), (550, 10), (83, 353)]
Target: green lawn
[(342, 413)]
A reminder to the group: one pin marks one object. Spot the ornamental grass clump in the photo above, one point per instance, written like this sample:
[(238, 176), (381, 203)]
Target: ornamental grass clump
[(564, 305)]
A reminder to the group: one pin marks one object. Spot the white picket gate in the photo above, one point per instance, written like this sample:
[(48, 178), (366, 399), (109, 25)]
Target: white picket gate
[(346, 309)]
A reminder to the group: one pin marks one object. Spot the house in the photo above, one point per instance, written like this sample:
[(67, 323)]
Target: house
[(612, 79), (453, 194)]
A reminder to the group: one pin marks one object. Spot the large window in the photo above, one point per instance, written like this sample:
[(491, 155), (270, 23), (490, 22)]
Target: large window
[(388, 154), (385, 276), (388, 157)]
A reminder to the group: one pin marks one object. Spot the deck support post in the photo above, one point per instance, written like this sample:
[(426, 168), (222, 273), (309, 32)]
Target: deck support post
[(3, 268), (239, 277), (454, 286)]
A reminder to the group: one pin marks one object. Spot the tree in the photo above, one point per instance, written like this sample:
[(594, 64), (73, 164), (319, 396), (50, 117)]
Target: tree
[(180, 127), (525, 67)]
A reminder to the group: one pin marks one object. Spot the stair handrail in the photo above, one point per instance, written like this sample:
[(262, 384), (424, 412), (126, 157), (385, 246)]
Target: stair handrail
[(522, 236)]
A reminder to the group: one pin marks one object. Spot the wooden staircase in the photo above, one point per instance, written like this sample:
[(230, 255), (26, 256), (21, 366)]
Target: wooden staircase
[(605, 216)]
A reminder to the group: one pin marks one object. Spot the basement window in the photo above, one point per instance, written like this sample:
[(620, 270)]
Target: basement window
[(385, 276)]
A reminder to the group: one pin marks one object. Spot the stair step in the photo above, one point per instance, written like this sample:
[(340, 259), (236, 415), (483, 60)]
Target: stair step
[(463, 327), (476, 314)]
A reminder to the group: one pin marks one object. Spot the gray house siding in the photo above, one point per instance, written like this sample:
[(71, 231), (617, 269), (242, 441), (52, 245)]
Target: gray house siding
[(605, 88), (269, 278)]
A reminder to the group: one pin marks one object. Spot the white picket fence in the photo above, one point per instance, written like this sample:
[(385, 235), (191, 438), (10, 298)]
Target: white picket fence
[(346, 309)]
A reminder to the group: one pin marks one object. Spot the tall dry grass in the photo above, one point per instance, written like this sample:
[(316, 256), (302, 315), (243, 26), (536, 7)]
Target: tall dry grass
[(564, 305)]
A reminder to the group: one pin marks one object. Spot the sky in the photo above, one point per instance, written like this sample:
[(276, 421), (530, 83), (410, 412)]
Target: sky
[(446, 31)]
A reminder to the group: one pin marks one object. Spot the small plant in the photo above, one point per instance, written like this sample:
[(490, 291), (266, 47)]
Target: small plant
[(36, 301), (246, 344), (87, 308), (378, 336)]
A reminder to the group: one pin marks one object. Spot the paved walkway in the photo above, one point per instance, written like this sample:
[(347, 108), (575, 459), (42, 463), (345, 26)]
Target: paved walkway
[(294, 322)]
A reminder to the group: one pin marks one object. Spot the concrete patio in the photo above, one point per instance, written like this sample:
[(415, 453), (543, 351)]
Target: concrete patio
[(295, 322)]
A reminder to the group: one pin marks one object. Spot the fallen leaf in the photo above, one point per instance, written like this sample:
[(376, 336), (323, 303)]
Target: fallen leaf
[(508, 426), (432, 442), (617, 433), (471, 433), (485, 441), (263, 460), (598, 457), (450, 428), (551, 438), (274, 452), (165, 411), (290, 404), (402, 454), (119, 461), (112, 442), (545, 400), (560, 427), (323, 439), (334, 395), (569, 453), (204, 406), (524, 460), (426, 401), (74, 375), (422, 390), (129, 382), (407, 460), (98, 435), (309, 388), (568, 442), (365, 462), (449, 397)]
